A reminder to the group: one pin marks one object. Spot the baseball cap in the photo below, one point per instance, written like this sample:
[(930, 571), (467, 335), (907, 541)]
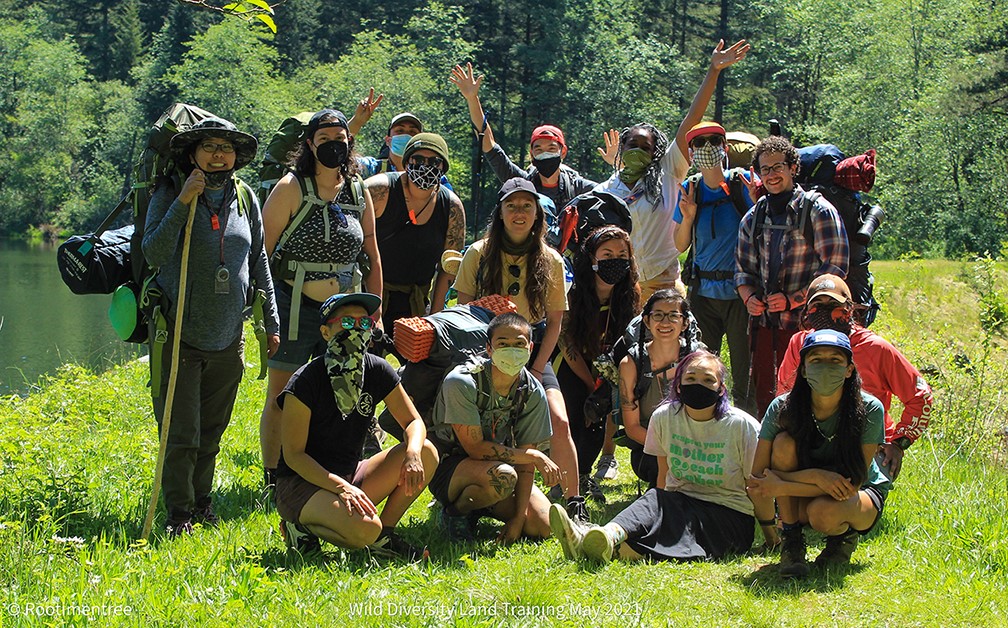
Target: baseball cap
[(831, 286), (548, 131), (704, 128), (399, 117), (827, 338), (515, 185), (370, 302)]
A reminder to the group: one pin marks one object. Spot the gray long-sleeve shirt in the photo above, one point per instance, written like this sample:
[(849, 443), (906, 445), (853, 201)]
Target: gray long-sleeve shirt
[(211, 321)]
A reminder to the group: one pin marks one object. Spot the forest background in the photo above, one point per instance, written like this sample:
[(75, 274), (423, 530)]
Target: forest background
[(922, 81)]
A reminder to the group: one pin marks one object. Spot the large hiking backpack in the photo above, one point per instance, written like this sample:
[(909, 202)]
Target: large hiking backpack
[(691, 273), (588, 211), (818, 173), (284, 141), (741, 147)]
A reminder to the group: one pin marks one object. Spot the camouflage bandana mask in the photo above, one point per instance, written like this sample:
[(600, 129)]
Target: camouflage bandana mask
[(344, 361)]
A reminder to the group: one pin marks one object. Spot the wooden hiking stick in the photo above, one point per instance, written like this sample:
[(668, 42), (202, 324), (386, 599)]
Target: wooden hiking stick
[(172, 375)]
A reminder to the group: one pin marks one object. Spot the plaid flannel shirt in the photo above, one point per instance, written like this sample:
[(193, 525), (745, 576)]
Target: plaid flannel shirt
[(801, 260)]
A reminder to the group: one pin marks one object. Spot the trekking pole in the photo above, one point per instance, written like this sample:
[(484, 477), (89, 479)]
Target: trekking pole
[(172, 376)]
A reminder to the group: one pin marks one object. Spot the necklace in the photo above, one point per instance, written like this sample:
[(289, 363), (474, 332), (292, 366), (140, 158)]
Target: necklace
[(815, 422)]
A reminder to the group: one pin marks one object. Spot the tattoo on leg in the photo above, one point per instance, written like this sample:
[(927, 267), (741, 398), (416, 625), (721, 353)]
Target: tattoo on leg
[(502, 483)]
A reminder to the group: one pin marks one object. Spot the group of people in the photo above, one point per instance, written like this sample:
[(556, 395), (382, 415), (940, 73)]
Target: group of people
[(349, 256)]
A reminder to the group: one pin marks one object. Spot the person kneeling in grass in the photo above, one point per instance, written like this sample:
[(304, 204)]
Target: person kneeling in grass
[(490, 418), (700, 510), (324, 489), (816, 455)]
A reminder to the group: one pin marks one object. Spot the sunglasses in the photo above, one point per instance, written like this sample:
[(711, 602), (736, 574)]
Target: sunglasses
[(338, 212), (211, 147), (515, 271), (661, 317), (703, 140), (420, 160), (349, 322)]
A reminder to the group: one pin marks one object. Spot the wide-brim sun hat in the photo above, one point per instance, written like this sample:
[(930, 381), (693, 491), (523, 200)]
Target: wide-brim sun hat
[(245, 145)]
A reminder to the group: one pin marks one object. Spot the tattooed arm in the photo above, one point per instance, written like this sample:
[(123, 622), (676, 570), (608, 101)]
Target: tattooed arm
[(454, 241), (378, 186), (471, 439)]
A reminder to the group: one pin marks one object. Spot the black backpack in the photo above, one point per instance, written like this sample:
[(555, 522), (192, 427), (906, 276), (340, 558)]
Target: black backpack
[(586, 212)]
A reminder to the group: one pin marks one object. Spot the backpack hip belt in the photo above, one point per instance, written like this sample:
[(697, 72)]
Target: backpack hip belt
[(343, 271)]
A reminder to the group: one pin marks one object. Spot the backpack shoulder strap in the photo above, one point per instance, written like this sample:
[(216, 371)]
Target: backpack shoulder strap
[(309, 200), (736, 191), (805, 223), (357, 190)]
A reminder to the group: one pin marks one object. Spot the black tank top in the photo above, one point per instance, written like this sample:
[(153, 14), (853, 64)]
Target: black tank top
[(410, 253)]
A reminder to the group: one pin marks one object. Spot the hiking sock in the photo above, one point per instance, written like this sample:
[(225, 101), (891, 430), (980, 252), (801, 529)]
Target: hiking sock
[(615, 532)]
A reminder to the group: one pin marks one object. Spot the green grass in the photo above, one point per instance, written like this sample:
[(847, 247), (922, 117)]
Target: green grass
[(76, 461)]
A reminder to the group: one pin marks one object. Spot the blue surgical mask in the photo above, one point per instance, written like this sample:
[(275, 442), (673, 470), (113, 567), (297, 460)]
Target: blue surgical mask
[(397, 143)]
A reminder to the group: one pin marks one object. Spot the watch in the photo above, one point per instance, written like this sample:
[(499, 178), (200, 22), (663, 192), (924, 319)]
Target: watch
[(903, 442)]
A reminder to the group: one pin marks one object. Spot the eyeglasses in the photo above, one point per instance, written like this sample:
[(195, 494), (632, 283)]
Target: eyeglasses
[(776, 168), (213, 147), (363, 323), (661, 317), (420, 160), (515, 271), (703, 140), (338, 212)]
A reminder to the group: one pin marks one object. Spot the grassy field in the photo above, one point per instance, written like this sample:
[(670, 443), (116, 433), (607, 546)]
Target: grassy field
[(77, 456)]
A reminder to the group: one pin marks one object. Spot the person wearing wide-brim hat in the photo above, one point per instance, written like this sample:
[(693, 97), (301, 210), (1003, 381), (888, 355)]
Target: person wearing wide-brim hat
[(418, 220), (226, 259)]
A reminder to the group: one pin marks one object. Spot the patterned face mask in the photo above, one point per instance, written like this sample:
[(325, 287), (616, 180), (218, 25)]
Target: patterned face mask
[(344, 361), (423, 176), (828, 316), (708, 156)]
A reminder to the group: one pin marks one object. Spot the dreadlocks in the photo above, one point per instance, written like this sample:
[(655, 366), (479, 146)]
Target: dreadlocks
[(652, 176)]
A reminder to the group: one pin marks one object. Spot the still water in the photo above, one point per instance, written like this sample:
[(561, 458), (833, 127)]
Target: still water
[(43, 324)]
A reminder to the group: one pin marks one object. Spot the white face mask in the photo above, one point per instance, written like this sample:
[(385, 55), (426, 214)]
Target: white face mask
[(510, 360), (708, 156)]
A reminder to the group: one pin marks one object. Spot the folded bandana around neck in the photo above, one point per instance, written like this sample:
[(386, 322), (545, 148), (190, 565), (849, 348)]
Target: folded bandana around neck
[(344, 361)]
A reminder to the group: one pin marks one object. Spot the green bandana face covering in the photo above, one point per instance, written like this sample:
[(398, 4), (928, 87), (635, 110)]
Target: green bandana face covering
[(510, 360), (635, 163), (825, 379), (344, 361)]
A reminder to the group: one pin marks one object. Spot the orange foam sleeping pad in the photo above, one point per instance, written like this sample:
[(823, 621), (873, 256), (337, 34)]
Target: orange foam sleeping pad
[(413, 337)]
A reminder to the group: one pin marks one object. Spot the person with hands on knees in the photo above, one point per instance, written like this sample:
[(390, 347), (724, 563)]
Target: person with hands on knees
[(816, 456), (647, 171), (324, 489), (490, 421), (774, 263), (226, 261), (884, 370), (700, 509), (514, 260)]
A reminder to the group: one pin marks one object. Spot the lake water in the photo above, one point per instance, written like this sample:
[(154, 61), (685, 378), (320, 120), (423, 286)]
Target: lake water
[(43, 324)]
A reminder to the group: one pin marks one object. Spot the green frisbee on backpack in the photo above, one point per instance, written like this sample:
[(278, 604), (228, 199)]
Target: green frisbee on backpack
[(123, 311)]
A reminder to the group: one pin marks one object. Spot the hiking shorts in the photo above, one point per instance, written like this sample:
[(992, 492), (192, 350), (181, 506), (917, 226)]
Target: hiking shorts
[(292, 355), (443, 475), (292, 492), (877, 498)]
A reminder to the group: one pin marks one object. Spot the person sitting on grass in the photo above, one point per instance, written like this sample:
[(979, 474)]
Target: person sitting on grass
[(816, 455), (490, 419), (700, 509), (324, 490)]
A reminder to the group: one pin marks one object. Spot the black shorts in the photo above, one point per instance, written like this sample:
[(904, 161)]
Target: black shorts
[(442, 476), (877, 498)]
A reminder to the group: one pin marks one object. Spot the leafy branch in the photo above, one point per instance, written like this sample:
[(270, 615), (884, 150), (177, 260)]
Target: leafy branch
[(247, 10)]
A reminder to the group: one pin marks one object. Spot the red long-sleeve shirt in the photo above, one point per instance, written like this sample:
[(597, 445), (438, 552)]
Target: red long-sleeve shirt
[(884, 373)]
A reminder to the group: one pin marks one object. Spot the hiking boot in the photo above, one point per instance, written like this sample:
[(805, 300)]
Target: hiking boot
[(570, 533), (392, 546), (839, 549), (178, 524), (577, 509), (600, 542), (792, 554), (298, 538), (607, 467), (590, 489), (457, 527), (205, 515)]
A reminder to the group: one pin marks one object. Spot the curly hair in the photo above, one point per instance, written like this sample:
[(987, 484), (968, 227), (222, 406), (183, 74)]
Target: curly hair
[(722, 405), (584, 326), (652, 176), (776, 144), (796, 419), (490, 277), (301, 160)]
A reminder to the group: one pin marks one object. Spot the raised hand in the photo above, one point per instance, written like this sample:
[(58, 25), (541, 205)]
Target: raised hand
[(722, 58), (366, 107), (687, 202), (466, 80), (754, 185), (611, 139)]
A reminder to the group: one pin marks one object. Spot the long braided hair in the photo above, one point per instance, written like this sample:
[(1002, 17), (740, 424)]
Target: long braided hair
[(490, 277), (796, 419), (652, 176)]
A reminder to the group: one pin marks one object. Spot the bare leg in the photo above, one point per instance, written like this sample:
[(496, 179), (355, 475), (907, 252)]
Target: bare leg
[(536, 517), (326, 516), (269, 421), (379, 478), (562, 445), (480, 483)]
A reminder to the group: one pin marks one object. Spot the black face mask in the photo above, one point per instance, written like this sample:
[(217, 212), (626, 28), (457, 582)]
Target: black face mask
[(611, 271), (332, 154), (698, 396), (832, 316), (548, 166), (217, 179)]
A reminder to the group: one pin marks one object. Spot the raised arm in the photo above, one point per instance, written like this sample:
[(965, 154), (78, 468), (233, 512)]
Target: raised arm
[(468, 84), (365, 109)]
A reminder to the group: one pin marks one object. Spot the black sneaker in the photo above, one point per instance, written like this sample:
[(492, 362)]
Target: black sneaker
[(179, 523), (457, 527), (590, 489), (392, 546), (577, 510), (205, 515), (839, 549), (298, 538), (792, 554)]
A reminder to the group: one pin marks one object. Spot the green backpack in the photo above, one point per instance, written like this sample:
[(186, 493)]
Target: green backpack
[(281, 145)]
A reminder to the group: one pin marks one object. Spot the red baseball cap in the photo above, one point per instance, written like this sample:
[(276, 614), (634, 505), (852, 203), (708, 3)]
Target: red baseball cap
[(704, 128), (548, 131)]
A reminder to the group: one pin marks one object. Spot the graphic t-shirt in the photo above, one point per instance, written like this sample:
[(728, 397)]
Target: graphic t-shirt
[(708, 460)]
